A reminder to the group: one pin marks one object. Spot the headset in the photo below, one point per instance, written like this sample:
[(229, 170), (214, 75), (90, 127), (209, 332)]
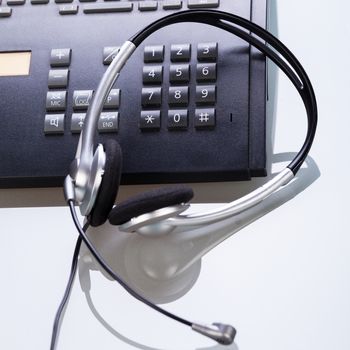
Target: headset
[(94, 177)]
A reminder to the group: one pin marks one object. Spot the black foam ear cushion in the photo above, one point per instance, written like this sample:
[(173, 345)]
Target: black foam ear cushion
[(149, 201), (109, 186)]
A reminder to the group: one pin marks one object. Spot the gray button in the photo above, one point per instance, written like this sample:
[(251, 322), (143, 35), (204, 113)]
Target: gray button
[(77, 122), (206, 72), (207, 51), (108, 122), (56, 100), (151, 97), (5, 11), (177, 119), (172, 4), (58, 78), (195, 4), (206, 94), (15, 2), (205, 118), (180, 52), (39, 2), (178, 96), (113, 99), (148, 5), (152, 74), (109, 54), (82, 99), (150, 120), (179, 73), (63, 1), (109, 8), (60, 57), (87, 0), (54, 124), (68, 9), (154, 53)]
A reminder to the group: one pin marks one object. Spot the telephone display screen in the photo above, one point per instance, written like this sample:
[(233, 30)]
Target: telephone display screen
[(15, 63)]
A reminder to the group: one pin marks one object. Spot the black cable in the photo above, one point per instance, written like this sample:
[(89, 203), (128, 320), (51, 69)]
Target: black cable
[(61, 307), (117, 278)]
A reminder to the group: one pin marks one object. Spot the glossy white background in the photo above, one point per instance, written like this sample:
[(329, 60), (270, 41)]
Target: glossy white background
[(283, 281)]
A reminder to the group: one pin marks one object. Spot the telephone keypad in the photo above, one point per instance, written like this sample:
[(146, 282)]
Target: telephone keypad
[(177, 119), (178, 96), (54, 124), (82, 99), (179, 73), (68, 9), (196, 4), (206, 94), (150, 120), (180, 53), (58, 78), (172, 4), (56, 100), (207, 51), (154, 53), (148, 5), (77, 122), (112, 100), (152, 74), (108, 122), (151, 97), (109, 54), (204, 118), (60, 57), (206, 72)]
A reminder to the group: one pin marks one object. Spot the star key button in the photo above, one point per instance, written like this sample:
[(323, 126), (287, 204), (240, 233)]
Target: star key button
[(150, 120)]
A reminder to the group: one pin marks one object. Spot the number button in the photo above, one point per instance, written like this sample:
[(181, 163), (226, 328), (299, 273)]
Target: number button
[(207, 51), (206, 94), (180, 73), (152, 74), (151, 97), (150, 120), (180, 53), (206, 72), (177, 119), (154, 53), (178, 96)]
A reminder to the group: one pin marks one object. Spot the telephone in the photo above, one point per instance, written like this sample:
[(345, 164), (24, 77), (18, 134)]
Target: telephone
[(171, 111)]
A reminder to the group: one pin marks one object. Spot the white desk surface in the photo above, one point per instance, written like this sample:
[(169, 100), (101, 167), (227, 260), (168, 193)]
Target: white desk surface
[(282, 281)]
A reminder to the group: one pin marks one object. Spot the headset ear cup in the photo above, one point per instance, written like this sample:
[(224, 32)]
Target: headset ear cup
[(149, 201), (109, 185)]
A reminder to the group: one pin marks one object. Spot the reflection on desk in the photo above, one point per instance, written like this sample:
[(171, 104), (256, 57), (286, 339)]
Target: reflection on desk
[(165, 268)]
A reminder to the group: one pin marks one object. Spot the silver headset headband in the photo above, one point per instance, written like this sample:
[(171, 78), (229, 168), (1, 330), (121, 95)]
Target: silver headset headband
[(281, 56)]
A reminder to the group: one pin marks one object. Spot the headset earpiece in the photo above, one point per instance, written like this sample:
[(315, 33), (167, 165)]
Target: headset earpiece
[(109, 186), (149, 201)]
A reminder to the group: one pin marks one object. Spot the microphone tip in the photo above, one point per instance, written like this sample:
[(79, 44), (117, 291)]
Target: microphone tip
[(222, 333)]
